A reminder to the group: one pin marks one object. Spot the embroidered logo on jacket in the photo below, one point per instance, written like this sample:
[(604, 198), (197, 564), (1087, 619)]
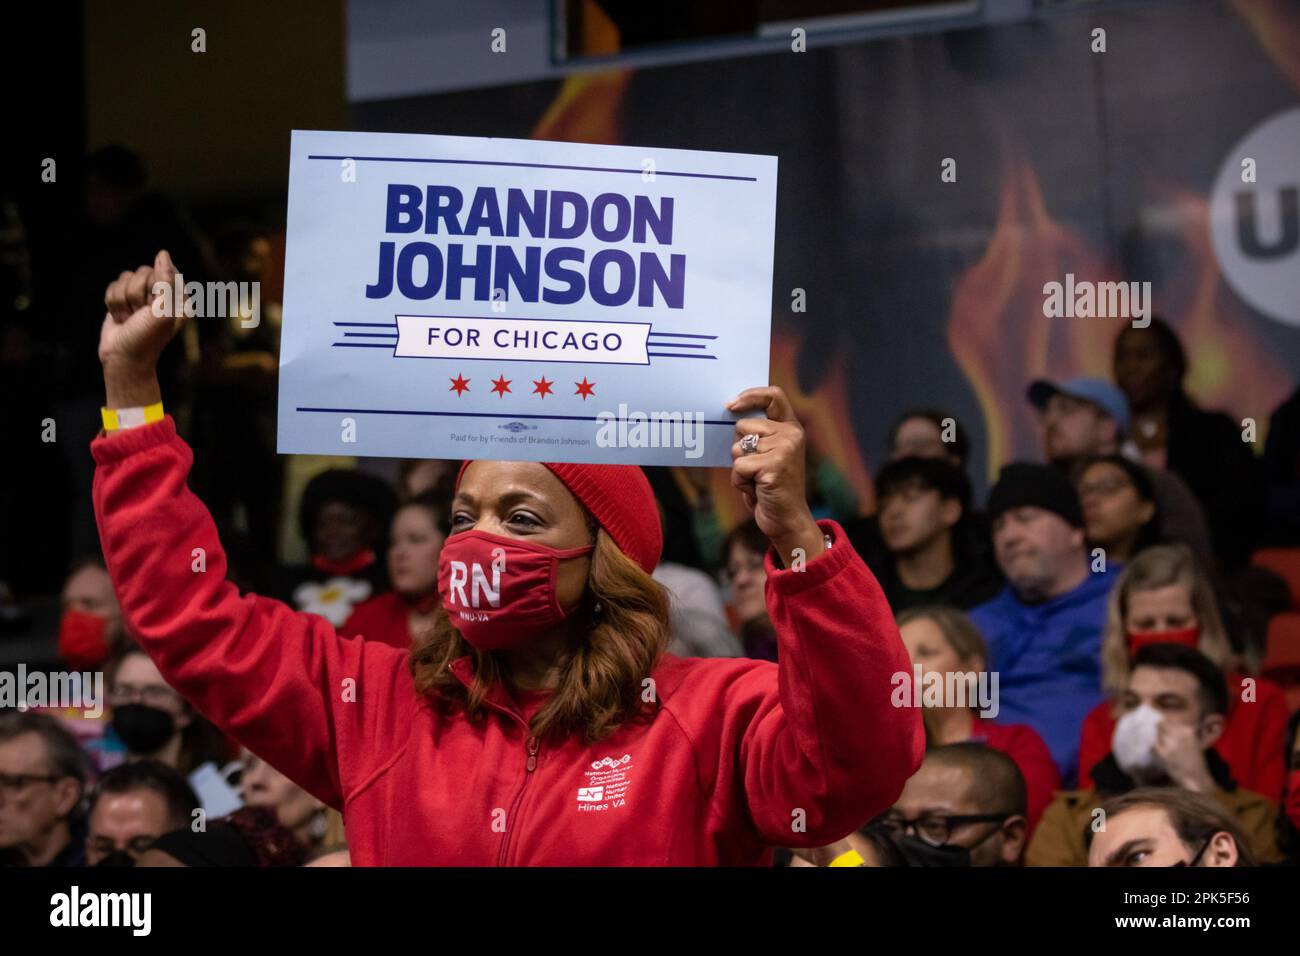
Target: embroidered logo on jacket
[(607, 783)]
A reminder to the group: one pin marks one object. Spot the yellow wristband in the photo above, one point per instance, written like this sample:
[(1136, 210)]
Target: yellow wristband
[(116, 419), (848, 858)]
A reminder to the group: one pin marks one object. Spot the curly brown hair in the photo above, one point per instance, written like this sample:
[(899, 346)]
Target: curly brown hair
[(624, 631)]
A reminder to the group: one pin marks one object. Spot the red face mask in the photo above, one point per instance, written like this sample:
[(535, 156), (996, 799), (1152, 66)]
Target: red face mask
[(1186, 636), (83, 639), (1291, 805), (500, 592), (348, 566)]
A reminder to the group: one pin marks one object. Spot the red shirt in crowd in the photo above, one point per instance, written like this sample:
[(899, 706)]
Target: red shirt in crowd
[(735, 756), (1253, 744), (1022, 744), (385, 617)]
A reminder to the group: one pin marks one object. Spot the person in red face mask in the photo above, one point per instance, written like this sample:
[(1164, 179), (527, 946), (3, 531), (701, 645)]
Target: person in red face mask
[(90, 632), (542, 721), (344, 518), (1163, 597), (91, 626)]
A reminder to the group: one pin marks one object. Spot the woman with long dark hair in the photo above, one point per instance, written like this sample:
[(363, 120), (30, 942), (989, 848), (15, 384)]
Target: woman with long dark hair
[(541, 721)]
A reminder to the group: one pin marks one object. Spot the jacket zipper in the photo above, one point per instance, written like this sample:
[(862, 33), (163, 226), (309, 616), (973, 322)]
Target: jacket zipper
[(533, 746)]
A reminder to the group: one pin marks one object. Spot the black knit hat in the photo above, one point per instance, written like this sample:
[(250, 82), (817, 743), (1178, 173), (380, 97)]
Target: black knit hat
[(1040, 486)]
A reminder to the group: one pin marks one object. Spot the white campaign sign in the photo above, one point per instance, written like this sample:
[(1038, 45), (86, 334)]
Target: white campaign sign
[(452, 297)]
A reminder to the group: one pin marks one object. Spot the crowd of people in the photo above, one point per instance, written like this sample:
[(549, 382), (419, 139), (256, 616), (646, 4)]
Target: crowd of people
[(1121, 605)]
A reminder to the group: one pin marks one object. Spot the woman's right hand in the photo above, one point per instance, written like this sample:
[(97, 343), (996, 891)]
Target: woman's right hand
[(136, 329)]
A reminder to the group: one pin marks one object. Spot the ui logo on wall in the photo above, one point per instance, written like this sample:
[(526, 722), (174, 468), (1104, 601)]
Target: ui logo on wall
[(1255, 226)]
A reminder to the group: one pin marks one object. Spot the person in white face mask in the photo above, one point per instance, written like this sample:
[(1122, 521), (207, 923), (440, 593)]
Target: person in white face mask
[(1171, 713)]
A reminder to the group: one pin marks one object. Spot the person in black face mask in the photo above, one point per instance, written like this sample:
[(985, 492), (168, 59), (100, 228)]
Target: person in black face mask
[(132, 805), (153, 722), (965, 807), (147, 715)]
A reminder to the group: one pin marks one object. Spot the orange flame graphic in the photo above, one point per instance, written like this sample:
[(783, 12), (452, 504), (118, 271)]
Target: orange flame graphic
[(1002, 340), (825, 416), (996, 327), (586, 110)]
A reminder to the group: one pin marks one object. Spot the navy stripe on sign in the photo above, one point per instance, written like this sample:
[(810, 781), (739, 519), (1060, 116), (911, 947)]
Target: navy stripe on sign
[(488, 162), (401, 411)]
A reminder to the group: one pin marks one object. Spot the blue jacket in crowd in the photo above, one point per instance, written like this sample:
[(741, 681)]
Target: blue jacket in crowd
[(1048, 660)]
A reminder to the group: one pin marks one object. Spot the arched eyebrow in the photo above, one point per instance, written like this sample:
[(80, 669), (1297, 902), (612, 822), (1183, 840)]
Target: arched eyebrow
[(1117, 858), (522, 496), (508, 499)]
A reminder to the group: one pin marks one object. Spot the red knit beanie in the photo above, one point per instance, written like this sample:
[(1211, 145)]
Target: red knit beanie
[(619, 497)]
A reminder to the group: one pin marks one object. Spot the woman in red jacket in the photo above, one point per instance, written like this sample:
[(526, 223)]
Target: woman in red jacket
[(943, 640), (541, 722), (1164, 597), (398, 617)]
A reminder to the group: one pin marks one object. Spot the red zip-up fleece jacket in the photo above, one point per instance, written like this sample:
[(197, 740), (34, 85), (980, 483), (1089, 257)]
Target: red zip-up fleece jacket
[(740, 755)]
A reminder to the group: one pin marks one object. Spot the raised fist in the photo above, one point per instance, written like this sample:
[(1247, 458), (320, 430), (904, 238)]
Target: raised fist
[(767, 468), (139, 322)]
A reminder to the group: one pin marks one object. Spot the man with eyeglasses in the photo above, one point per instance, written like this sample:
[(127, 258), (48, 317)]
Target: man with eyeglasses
[(966, 806), (42, 778), (1084, 418)]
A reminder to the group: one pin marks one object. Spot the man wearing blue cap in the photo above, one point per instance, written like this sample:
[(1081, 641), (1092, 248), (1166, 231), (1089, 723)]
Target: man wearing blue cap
[(1082, 418)]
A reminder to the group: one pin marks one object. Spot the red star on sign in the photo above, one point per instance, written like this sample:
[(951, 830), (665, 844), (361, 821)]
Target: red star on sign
[(501, 385), (585, 388), (459, 384), (543, 387)]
